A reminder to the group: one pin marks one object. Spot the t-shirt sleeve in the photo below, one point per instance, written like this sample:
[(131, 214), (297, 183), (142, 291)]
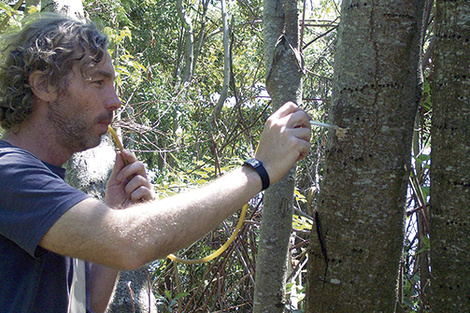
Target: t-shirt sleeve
[(32, 199)]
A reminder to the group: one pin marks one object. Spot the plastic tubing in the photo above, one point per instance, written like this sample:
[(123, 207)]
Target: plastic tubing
[(117, 141), (218, 251)]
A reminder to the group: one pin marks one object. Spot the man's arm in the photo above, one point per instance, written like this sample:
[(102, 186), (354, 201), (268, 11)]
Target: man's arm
[(127, 239)]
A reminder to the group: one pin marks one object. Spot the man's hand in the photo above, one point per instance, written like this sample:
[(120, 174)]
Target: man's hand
[(128, 184), (285, 140)]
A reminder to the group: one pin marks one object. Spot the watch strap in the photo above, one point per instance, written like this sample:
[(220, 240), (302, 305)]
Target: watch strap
[(258, 166)]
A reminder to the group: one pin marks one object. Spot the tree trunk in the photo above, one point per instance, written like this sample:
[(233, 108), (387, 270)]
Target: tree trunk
[(450, 166), (89, 171), (133, 293), (226, 84), (284, 84), (202, 32), (356, 242), (189, 41)]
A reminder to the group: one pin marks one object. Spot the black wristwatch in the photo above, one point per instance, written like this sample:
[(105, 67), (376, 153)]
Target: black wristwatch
[(257, 165)]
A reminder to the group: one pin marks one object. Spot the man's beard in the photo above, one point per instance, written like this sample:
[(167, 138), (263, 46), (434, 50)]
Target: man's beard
[(73, 132)]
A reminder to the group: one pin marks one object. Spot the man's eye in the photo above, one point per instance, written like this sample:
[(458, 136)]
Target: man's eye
[(98, 82)]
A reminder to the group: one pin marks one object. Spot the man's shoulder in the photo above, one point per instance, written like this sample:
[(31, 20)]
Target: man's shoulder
[(17, 161), (12, 158), (6, 149)]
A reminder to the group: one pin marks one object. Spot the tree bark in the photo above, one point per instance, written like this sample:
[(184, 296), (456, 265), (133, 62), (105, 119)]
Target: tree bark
[(356, 241), (202, 32), (450, 166), (189, 41), (133, 293), (89, 171), (284, 84), (226, 84)]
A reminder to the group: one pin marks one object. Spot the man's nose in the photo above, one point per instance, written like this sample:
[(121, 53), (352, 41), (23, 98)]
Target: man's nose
[(112, 101)]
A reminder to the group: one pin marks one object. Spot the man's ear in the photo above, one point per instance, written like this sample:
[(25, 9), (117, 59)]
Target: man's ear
[(41, 87)]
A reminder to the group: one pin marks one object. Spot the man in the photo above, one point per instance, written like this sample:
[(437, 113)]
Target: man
[(57, 98)]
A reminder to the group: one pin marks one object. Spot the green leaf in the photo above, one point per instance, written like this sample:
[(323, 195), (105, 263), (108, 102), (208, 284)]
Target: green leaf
[(125, 32), (181, 295), (427, 244), (426, 87), (289, 287), (301, 223), (167, 294), (426, 241), (8, 9)]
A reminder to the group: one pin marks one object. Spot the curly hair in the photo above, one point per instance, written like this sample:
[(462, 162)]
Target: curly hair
[(50, 43)]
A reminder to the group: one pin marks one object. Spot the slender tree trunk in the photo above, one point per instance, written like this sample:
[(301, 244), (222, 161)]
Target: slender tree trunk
[(189, 41), (89, 171), (356, 242), (284, 84), (202, 32), (450, 166), (226, 84)]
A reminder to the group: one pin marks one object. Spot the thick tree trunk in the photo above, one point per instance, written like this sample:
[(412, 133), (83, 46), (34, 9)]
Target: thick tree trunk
[(356, 244), (133, 293), (284, 84), (89, 171), (450, 166)]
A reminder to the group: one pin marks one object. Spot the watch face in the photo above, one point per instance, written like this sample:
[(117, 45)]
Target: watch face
[(253, 162)]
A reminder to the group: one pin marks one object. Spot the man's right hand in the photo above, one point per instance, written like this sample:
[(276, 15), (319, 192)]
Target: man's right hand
[(285, 140)]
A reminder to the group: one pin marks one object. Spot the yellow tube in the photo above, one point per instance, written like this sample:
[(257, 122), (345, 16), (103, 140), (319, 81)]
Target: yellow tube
[(117, 141), (221, 249), (215, 253), (116, 138)]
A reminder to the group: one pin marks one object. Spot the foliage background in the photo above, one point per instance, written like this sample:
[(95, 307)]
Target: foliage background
[(167, 120)]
